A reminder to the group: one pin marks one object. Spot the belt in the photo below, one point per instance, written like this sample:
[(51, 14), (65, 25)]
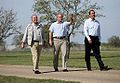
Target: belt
[(93, 36), (62, 37), (35, 41)]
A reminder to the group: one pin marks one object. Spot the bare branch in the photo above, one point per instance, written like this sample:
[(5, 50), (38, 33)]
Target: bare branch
[(8, 24)]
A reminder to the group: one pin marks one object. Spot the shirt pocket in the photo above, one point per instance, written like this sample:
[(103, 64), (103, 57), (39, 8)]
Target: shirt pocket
[(97, 25), (91, 26), (30, 33), (30, 30)]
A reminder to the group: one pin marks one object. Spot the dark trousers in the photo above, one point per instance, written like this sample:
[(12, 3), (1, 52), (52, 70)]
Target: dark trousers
[(95, 46)]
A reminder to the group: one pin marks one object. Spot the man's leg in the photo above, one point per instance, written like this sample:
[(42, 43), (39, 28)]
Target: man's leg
[(36, 50), (87, 54), (39, 49), (64, 54), (96, 51), (56, 53)]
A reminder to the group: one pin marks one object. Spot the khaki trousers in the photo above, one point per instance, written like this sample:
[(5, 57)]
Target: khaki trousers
[(36, 50), (60, 43)]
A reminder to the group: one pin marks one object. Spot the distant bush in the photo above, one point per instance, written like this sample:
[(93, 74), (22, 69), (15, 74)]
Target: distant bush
[(114, 41)]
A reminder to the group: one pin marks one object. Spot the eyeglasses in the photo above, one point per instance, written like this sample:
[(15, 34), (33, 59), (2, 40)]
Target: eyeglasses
[(92, 13)]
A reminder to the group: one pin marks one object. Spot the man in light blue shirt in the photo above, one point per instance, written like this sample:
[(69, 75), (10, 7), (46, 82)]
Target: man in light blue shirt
[(59, 29), (58, 35), (92, 41)]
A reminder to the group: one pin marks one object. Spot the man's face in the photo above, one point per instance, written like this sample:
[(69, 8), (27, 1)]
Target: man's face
[(59, 17), (34, 19), (92, 15)]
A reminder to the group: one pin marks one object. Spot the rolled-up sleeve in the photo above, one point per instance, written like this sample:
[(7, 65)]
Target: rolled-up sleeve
[(51, 29), (67, 23)]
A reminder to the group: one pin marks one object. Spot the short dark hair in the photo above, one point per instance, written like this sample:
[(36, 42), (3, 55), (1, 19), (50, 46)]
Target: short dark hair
[(90, 11)]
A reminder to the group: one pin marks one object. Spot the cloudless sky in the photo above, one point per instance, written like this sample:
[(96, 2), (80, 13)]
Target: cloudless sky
[(110, 25)]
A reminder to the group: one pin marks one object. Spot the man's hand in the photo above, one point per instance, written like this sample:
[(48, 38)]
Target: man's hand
[(22, 45), (72, 18), (50, 38), (90, 41), (50, 42)]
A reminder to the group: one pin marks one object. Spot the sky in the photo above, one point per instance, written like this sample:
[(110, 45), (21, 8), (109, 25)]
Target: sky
[(109, 24)]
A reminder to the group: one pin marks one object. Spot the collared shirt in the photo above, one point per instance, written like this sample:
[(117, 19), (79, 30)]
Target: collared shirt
[(37, 32), (59, 29), (92, 27)]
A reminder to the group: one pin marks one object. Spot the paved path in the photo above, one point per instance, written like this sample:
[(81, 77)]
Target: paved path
[(74, 74)]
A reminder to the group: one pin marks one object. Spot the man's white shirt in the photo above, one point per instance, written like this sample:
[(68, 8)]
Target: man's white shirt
[(92, 27)]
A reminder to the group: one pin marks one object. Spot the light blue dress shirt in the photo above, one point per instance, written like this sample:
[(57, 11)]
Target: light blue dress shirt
[(92, 27), (59, 29)]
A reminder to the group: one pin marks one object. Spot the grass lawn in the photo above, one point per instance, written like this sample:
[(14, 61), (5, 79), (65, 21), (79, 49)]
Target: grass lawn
[(13, 79), (110, 58)]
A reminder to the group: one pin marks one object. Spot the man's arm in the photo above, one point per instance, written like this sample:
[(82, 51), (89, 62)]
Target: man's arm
[(86, 32), (24, 38), (51, 30), (99, 32), (50, 38)]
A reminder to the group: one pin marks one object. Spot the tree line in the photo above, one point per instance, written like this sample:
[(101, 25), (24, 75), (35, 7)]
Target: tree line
[(47, 9)]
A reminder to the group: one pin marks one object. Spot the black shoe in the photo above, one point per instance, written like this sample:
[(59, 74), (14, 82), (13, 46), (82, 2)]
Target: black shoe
[(65, 70), (36, 72), (106, 68), (56, 70), (89, 70)]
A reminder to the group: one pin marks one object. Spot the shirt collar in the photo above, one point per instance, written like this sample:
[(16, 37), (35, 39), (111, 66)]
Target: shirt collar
[(33, 24), (91, 19), (59, 23)]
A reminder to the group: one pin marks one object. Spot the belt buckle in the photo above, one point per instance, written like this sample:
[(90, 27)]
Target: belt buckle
[(35, 41), (60, 37)]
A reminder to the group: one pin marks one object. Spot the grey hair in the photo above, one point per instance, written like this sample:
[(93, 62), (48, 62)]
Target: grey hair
[(59, 14), (33, 15)]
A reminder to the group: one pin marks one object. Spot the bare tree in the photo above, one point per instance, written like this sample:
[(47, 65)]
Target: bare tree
[(8, 24), (17, 40), (47, 9)]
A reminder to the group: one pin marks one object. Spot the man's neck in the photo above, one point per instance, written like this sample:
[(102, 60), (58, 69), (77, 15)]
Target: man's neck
[(59, 22), (34, 23), (92, 19)]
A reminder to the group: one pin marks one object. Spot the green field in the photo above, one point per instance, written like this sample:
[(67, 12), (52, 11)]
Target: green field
[(110, 58), (13, 79)]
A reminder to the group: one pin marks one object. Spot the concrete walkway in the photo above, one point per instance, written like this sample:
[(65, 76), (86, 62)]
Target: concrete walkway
[(74, 74)]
